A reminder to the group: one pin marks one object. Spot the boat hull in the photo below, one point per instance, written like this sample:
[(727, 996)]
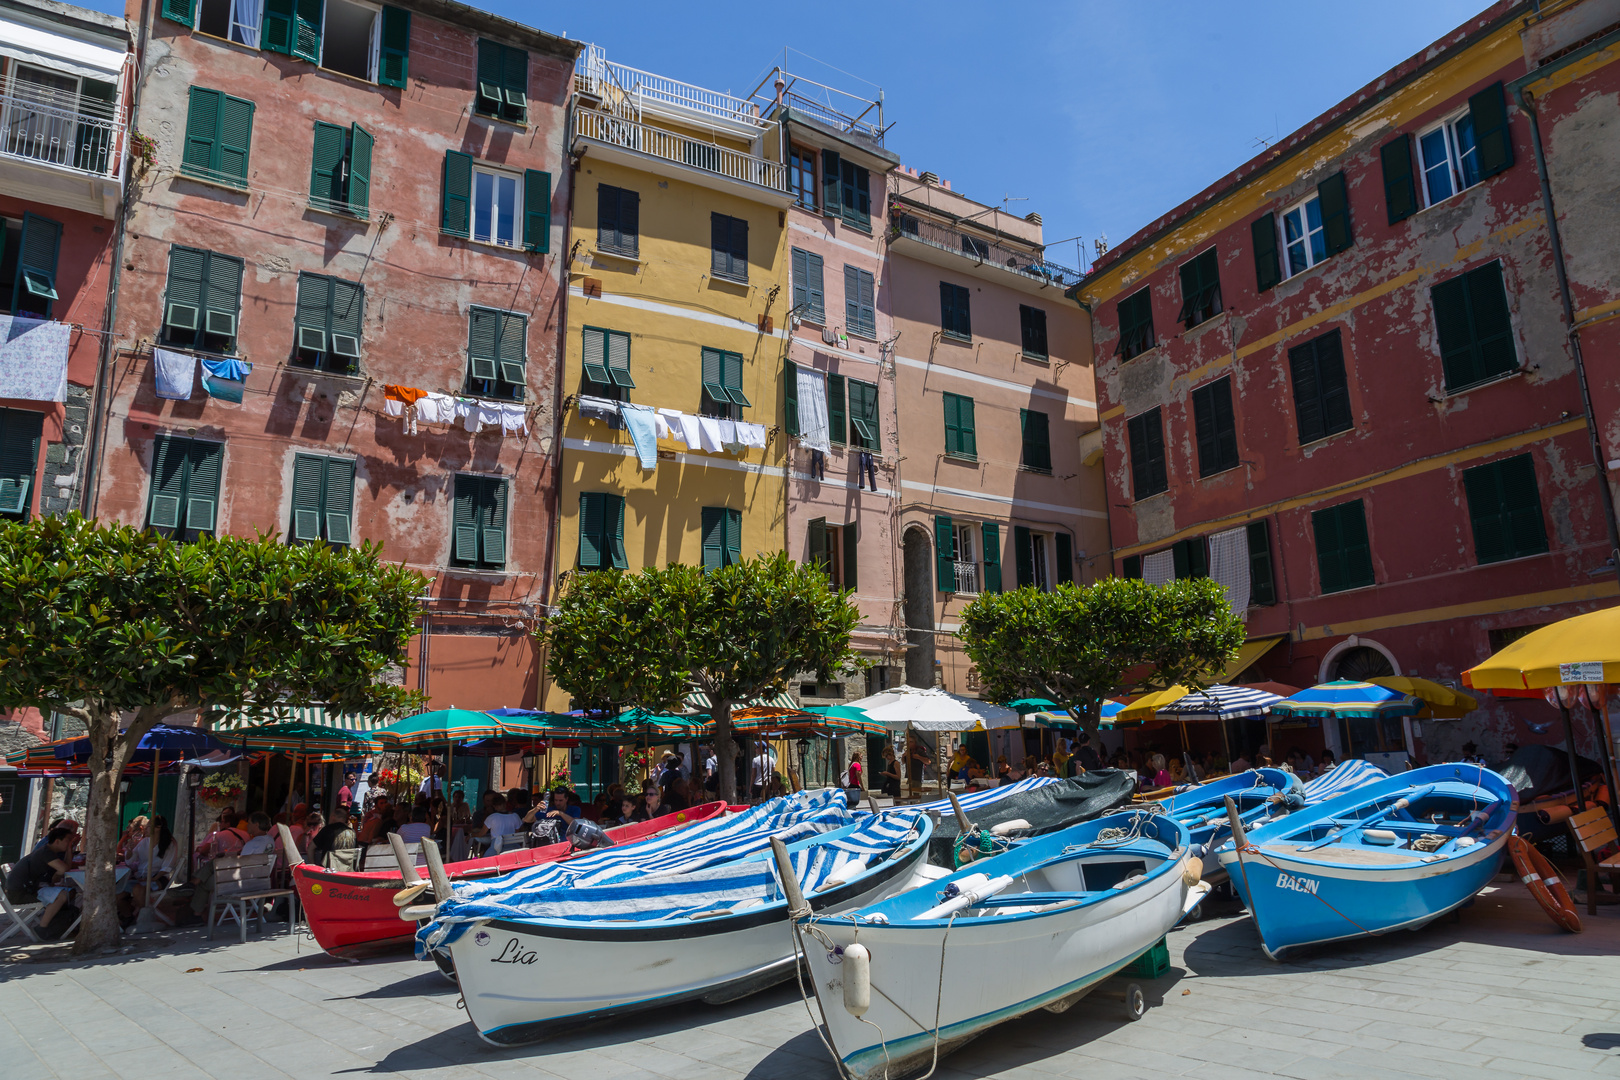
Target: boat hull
[(346, 909), (1299, 902), (1044, 961), (523, 981)]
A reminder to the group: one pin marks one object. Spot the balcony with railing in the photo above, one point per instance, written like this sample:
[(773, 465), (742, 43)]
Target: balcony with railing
[(595, 75), (967, 577), (851, 114), (628, 133), (53, 127), (1028, 262)]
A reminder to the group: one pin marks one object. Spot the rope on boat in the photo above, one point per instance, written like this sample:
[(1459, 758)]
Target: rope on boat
[(1430, 841)]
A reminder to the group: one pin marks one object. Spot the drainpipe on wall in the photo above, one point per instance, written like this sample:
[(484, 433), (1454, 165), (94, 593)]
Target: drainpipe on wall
[(1526, 102)]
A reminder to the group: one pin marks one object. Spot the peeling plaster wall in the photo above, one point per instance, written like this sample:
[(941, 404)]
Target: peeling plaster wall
[(419, 288)]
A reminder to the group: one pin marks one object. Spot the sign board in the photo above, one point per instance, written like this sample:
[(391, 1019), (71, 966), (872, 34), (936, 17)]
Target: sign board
[(1588, 671)]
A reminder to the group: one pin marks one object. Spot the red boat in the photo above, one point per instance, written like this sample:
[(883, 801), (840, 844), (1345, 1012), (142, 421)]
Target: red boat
[(349, 908)]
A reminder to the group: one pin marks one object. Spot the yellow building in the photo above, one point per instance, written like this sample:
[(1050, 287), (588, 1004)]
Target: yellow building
[(676, 286)]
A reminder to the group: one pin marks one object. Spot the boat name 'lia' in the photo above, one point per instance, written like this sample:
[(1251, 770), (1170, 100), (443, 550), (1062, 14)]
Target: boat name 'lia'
[(1297, 884)]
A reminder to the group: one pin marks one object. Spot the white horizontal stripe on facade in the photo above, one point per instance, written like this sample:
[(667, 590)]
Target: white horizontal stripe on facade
[(613, 449), (970, 376), (817, 345), (1004, 500), (674, 311), (825, 239), (845, 484)]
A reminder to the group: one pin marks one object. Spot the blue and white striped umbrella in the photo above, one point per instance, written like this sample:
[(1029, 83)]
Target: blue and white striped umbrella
[(1343, 777), (1221, 702)]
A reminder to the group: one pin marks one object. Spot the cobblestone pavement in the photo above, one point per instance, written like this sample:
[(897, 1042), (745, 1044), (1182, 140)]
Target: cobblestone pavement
[(1499, 993)]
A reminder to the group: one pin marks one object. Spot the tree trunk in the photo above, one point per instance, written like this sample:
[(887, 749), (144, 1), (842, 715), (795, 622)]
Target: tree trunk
[(110, 752), (725, 747)]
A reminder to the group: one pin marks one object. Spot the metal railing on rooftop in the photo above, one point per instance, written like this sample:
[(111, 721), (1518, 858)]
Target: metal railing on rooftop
[(60, 129), (673, 146), (838, 109), (595, 74), (1031, 263)]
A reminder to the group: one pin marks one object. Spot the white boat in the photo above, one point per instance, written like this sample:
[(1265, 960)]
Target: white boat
[(908, 979), (576, 954)]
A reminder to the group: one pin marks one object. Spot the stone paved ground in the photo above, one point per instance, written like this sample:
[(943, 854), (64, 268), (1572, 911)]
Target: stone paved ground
[(1498, 994)]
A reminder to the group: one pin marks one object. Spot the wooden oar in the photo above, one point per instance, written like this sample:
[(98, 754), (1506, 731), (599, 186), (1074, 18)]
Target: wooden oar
[(1372, 819)]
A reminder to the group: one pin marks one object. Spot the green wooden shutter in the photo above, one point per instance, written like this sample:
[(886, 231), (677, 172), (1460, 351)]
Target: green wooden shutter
[(1483, 488), (1262, 586), (630, 221), (1504, 505), (713, 375), (1400, 183), (1204, 430), (593, 353), (714, 537), (991, 534), (732, 364), (1063, 553), (515, 83), (852, 299), (511, 348), (222, 299), (1334, 386), (1037, 440), (1023, 556), (1307, 393), (337, 503), (1130, 567), (863, 414), (455, 208), (816, 545), (202, 133), (816, 291), (492, 522), (945, 553), (613, 527), (1032, 331), (733, 537), (204, 465), (607, 217), (837, 414), (489, 77), (359, 187), (168, 482), (801, 280), (537, 210), (37, 254), (1478, 342), (394, 55), (851, 556), (20, 432), (348, 317), (1455, 331), (1267, 259), (313, 314), (968, 436), (307, 22), (832, 186), (857, 195), (955, 437), (1493, 139), (618, 359), (179, 11), (235, 139), (1343, 556), (590, 530), (790, 396), (306, 497), (183, 296), (276, 32), (464, 520), (720, 260), (483, 349), (326, 166), (1335, 213)]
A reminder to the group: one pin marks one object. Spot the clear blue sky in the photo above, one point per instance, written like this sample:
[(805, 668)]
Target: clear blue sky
[(1101, 115)]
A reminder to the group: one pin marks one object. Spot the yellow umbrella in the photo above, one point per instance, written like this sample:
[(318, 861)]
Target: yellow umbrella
[(1145, 706), (1583, 649), (1442, 702)]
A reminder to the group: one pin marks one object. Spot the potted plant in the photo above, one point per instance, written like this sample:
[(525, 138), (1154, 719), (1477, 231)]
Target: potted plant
[(221, 789)]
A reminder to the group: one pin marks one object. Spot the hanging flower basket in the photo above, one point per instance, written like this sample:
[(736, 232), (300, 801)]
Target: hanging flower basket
[(221, 789)]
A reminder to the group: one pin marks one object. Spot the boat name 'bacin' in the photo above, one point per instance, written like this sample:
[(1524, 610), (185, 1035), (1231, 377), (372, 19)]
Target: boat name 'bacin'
[(1297, 884)]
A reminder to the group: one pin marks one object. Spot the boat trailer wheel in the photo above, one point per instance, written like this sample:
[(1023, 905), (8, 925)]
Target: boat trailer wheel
[(1135, 1002)]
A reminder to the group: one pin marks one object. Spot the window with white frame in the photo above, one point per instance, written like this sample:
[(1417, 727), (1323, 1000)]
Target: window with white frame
[(351, 39), (967, 563), (234, 20), (1304, 239), (497, 206), (1447, 158)]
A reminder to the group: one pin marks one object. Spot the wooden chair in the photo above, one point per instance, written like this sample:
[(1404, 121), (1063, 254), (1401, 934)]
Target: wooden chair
[(241, 885), (1593, 831), (23, 918)]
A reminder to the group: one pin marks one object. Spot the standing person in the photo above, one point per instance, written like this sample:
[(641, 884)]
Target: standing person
[(761, 769), (362, 793), (889, 778), (1086, 756), (1060, 758), (711, 768), (432, 785), (917, 760), (345, 793), (852, 775)]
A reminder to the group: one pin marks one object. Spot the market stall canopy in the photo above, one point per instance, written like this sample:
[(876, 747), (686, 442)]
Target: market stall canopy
[(1441, 702), (1250, 652), (1062, 721), (1348, 698), (237, 719), (1220, 702), (830, 720), (442, 726), (932, 709), (1028, 705), (1582, 649), (1144, 707), (296, 737)]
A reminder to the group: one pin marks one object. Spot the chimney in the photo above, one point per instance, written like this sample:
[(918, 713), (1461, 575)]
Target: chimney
[(929, 178), (1033, 217)]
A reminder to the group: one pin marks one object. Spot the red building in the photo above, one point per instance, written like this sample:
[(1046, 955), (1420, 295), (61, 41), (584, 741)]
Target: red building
[(349, 210), (1341, 381)]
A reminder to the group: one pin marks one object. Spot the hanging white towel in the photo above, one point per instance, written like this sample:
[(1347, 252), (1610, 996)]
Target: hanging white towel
[(691, 432), (660, 426), (709, 433), (514, 418), (751, 435), (1229, 565), (175, 374), (813, 428), (393, 407), (728, 432), (1159, 568), (672, 426), (436, 409)]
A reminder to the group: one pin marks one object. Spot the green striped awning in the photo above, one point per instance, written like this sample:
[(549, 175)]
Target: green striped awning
[(303, 714), (698, 701)]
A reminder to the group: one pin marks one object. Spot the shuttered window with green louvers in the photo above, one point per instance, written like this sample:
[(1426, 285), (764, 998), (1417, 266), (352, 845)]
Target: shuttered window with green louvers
[(1343, 552), (202, 300), (327, 323), (1262, 586), (1267, 255), (961, 437), (34, 287), (860, 305), (945, 554), (1037, 449), (503, 82), (809, 295), (1493, 140), (1474, 327), (722, 537), (863, 414), (536, 211), (323, 499), (1400, 182), (455, 206), (606, 356), (1024, 555), (1321, 388), (991, 534), (722, 384), (1504, 506), (618, 220), (855, 195), (1200, 290), (186, 475), (340, 170), (1215, 427), (728, 244), (180, 11), (1150, 472), (955, 313), (837, 411), (497, 353), (790, 397), (1032, 332), (219, 136), (1135, 324), (394, 51), (601, 531), (478, 522), (19, 461)]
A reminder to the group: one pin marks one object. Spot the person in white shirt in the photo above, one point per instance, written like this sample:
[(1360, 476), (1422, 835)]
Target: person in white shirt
[(417, 829), (431, 786), (761, 769), (259, 840), (501, 822)]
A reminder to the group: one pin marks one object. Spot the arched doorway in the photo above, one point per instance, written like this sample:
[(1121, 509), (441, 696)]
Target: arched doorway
[(1386, 742), (918, 606)]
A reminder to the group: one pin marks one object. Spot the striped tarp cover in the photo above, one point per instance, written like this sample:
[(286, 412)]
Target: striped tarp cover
[(980, 798), (1343, 777)]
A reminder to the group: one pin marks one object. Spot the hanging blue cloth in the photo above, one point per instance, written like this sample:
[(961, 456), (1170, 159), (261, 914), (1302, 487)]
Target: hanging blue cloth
[(225, 378), (643, 432)]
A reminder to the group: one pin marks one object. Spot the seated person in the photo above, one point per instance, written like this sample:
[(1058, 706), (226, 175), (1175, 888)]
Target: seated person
[(627, 810), (313, 824), (168, 857), (371, 827), (652, 804), (260, 836), (500, 822), (36, 877), (132, 836), (963, 766), (336, 846), (417, 829), (548, 822)]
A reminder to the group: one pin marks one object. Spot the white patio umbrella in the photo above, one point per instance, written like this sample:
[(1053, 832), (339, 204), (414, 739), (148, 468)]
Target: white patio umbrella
[(913, 708)]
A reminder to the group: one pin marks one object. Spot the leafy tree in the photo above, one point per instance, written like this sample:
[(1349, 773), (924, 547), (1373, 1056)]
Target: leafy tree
[(734, 633), (1081, 644), (105, 622)]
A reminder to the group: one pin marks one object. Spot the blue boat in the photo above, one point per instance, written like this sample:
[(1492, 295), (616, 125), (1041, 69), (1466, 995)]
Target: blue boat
[(1393, 855), (1202, 809)]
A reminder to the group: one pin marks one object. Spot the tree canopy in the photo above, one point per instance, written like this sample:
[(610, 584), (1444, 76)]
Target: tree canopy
[(1080, 644), (109, 621), (734, 633)]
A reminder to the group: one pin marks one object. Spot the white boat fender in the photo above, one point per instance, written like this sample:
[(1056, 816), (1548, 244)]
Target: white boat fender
[(968, 896), (1378, 836), (857, 979), (1015, 825), (1466, 841)]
